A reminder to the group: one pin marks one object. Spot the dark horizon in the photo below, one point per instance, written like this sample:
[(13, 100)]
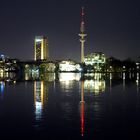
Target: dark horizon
[(112, 27)]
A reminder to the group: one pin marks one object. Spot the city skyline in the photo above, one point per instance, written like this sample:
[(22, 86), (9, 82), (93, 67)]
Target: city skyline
[(112, 27)]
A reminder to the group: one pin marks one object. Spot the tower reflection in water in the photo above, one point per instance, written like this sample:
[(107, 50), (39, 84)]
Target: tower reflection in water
[(95, 85), (40, 99), (82, 108)]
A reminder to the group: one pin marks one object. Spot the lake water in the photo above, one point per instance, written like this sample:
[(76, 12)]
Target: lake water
[(70, 106)]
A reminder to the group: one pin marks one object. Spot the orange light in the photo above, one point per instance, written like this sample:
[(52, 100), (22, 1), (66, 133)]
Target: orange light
[(82, 118)]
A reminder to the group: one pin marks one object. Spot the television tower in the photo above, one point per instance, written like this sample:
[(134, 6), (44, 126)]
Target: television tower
[(82, 35)]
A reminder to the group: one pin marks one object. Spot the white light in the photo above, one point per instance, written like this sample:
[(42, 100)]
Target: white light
[(38, 40), (137, 76), (95, 85), (67, 66), (123, 76), (38, 110), (69, 77)]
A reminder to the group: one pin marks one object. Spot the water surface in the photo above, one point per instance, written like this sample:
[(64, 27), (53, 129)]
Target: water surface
[(70, 106)]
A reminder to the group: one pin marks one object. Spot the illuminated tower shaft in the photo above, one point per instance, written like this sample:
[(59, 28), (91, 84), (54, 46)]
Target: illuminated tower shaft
[(82, 40), (82, 35)]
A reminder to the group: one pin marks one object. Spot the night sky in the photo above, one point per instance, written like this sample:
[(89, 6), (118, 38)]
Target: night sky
[(113, 27)]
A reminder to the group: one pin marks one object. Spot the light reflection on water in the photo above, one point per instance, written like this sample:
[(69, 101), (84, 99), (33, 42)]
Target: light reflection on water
[(82, 109), (67, 102), (2, 87), (40, 99)]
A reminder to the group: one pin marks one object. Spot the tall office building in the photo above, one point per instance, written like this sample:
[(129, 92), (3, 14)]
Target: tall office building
[(41, 51)]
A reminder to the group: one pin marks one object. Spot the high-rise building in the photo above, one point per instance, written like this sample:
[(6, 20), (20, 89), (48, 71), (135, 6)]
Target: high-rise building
[(41, 51)]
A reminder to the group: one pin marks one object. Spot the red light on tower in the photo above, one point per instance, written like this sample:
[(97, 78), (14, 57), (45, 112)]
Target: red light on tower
[(83, 11)]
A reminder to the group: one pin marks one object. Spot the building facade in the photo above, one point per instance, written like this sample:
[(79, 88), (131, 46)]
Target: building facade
[(69, 66), (41, 51), (97, 60)]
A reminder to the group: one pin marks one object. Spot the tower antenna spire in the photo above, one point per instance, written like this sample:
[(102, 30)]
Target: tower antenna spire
[(82, 28), (82, 34)]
